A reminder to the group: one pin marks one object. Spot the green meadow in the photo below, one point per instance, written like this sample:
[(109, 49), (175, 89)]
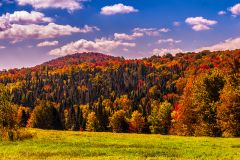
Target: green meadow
[(89, 145)]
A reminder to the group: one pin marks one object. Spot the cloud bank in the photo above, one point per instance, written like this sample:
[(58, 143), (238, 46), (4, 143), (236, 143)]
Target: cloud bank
[(32, 31), (99, 45), (229, 44)]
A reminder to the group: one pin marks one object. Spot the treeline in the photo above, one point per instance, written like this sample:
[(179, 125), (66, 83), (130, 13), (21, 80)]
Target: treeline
[(195, 94)]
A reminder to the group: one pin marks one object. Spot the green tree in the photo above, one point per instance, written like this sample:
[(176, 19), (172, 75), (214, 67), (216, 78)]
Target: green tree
[(160, 118), (45, 116), (8, 123), (7, 112)]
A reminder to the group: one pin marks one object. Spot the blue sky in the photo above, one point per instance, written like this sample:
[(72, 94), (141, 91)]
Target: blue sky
[(32, 32)]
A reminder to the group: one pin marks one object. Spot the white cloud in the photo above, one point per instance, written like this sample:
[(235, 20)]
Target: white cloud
[(47, 43), (200, 27), (32, 31), (164, 51), (2, 47), (222, 13), (200, 23), (229, 44), (169, 41), (117, 9), (151, 31), (235, 10), (123, 36), (70, 5), (99, 45), (22, 17)]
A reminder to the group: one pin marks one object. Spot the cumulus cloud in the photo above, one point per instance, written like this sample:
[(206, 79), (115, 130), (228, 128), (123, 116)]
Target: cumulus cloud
[(22, 25), (229, 44), (151, 31), (70, 5), (99, 45), (169, 41), (22, 17), (47, 43), (123, 36), (164, 51), (235, 10), (200, 23), (32, 31), (222, 13), (117, 9)]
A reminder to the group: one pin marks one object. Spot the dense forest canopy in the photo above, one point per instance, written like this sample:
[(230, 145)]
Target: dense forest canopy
[(188, 94)]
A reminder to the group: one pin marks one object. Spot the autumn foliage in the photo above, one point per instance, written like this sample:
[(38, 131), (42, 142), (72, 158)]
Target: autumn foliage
[(195, 94)]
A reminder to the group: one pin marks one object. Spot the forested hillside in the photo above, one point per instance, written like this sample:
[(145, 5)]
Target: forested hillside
[(188, 94)]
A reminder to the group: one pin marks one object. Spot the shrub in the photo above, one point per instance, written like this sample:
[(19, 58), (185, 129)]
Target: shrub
[(118, 122), (15, 134), (92, 123), (136, 123)]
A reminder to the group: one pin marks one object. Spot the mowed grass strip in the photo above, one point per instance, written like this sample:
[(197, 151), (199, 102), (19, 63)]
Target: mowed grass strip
[(85, 145)]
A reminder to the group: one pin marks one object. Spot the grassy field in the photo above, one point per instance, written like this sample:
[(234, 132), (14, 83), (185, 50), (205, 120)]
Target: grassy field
[(84, 145)]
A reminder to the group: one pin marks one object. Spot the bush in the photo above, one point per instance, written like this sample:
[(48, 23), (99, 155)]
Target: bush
[(92, 123), (118, 122), (136, 123), (14, 135)]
